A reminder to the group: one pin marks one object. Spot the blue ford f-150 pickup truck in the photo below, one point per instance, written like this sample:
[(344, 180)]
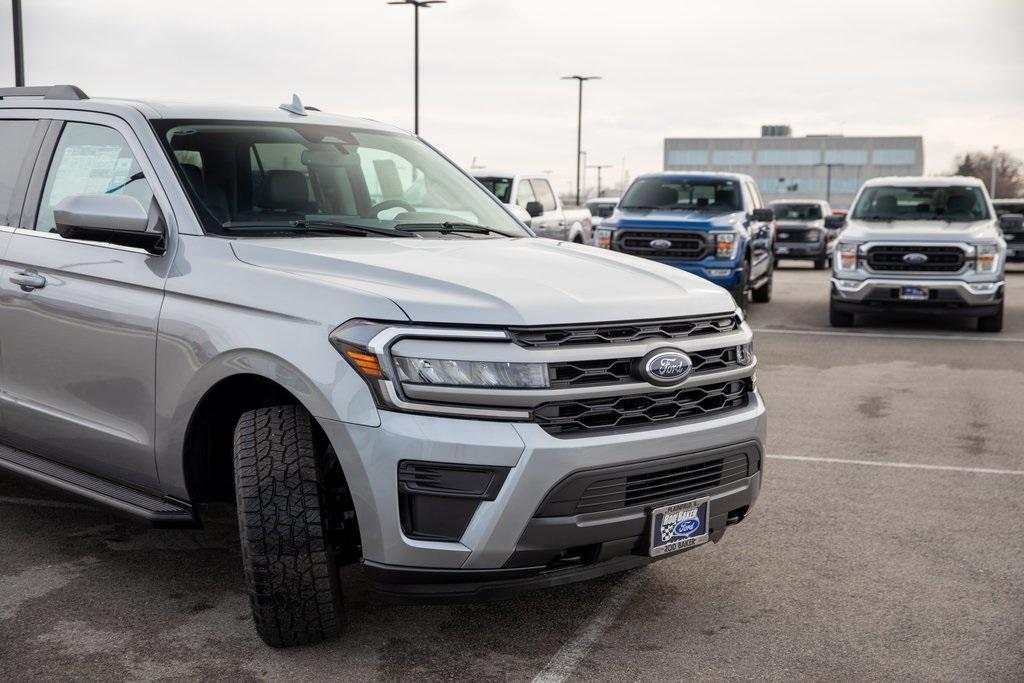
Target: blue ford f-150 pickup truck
[(712, 224)]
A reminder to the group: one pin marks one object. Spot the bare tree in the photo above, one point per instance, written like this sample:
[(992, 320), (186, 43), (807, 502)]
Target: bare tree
[(1009, 171)]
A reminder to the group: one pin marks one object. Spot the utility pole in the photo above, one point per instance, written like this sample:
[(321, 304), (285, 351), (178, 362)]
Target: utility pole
[(579, 128), (417, 4), (995, 153), (19, 44), (599, 167), (828, 179)]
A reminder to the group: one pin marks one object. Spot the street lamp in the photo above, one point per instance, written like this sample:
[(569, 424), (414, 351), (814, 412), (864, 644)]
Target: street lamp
[(599, 167), (579, 126), (19, 47), (828, 179), (417, 4), (995, 152)]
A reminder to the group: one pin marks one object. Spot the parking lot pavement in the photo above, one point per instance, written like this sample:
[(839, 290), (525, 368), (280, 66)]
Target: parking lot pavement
[(844, 570)]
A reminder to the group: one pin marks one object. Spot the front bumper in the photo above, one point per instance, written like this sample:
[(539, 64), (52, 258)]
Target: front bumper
[(494, 545), (945, 296)]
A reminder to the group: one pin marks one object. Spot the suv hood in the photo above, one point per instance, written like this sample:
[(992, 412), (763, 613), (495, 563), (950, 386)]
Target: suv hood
[(493, 281), (932, 231)]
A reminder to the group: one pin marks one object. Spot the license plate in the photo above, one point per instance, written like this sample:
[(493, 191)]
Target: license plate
[(781, 250), (913, 293), (679, 526)]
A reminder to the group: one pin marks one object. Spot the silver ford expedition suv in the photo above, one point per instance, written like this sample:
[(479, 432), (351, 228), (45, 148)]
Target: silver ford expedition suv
[(922, 245), (326, 321)]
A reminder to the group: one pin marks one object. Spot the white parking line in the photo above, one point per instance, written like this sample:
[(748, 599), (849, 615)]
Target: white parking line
[(892, 335), (37, 502), (569, 656), (900, 465)]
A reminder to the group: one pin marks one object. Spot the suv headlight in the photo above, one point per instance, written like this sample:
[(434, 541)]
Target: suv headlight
[(471, 373), (603, 239), (986, 258), (725, 245), (847, 257)]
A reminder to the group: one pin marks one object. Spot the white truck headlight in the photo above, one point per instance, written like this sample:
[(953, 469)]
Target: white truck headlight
[(471, 373), (745, 353), (847, 257), (603, 239), (986, 258), (725, 245)]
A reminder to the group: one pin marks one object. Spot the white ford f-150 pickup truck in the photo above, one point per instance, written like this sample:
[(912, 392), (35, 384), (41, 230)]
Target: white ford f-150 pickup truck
[(920, 245), (534, 201)]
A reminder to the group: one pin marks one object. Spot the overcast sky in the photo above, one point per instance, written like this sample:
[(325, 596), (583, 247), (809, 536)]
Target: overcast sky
[(950, 70)]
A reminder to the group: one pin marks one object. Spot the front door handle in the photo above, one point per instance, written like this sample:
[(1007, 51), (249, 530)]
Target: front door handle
[(28, 281)]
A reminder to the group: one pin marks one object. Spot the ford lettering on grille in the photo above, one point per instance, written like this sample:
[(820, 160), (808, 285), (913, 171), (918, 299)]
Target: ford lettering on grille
[(661, 244), (665, 367)]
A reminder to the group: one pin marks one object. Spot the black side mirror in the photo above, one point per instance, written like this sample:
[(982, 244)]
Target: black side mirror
[(1011, 222), (534, 209), (835, 222), (762, 215)]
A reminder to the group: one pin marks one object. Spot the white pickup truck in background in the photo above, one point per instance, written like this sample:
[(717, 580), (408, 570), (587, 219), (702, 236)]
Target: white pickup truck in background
[(534, 201)]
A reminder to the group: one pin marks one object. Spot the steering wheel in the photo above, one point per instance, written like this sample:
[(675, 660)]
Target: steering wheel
[(391, 204)]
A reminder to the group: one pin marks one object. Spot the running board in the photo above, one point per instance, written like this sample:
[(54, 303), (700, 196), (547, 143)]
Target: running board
[(162, 512)]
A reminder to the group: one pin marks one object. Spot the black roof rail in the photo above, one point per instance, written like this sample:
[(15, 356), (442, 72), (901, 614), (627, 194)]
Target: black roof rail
[(46, 92)]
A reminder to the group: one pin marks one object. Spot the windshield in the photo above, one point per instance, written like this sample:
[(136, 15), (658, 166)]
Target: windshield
[(499, 187), (270, 179), (946, 203), (697, 194), (797, 212), (601, 209)]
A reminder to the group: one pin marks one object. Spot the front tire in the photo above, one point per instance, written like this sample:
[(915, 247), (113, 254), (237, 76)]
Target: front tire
[(837, 318), (819, 264), (992, 323), (739, 292), (287, 553)]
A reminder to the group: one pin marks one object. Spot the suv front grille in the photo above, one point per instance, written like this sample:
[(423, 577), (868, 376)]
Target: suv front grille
[(620, 370), (685, 246), (940, 259), (619, 412), (623, 333), (649, 483)]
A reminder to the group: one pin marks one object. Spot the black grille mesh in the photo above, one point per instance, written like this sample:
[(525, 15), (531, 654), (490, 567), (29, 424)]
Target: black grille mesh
[(622, 333), (620, 370), (686, 246), (940, 259)]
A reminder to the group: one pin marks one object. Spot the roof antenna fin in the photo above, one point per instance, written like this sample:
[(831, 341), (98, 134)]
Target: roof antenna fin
[(295, 107)]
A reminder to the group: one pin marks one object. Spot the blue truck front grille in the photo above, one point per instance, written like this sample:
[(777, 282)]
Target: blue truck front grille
[(678, 245)]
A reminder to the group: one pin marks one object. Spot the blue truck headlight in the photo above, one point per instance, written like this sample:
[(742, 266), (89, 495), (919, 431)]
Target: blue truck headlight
[(726, 245), (603, 239)]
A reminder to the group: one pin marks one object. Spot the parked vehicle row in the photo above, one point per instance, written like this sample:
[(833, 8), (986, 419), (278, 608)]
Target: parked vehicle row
[(1012, 227), (327, 322)]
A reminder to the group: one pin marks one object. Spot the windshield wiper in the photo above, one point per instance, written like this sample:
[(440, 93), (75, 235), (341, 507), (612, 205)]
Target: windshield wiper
[(448, 227), (639, 207), (336, 227), (883, 219)]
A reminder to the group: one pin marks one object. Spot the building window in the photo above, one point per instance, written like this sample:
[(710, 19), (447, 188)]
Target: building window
[(788, 157), (894, 157), (853, 157), (791, 186), (732, 157), (683, 158)]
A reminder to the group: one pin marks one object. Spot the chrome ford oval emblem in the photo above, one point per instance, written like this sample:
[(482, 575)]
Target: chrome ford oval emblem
[(661, 244), (915, 258), (664, 367)]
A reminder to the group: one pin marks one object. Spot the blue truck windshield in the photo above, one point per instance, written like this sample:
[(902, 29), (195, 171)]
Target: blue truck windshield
[(681, 194)]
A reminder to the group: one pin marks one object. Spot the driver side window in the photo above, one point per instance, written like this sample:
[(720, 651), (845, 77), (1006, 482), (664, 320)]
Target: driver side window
[(90, 159)]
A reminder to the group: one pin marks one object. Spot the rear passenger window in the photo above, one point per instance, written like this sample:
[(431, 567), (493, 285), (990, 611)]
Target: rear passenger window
[(545, 196), (91, 159), (15, 142)]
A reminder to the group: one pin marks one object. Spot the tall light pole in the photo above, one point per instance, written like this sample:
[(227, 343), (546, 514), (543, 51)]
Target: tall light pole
[(579, 127), (828, 179), (599, 167), (417, 4), (19, 45), (995, 153)]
